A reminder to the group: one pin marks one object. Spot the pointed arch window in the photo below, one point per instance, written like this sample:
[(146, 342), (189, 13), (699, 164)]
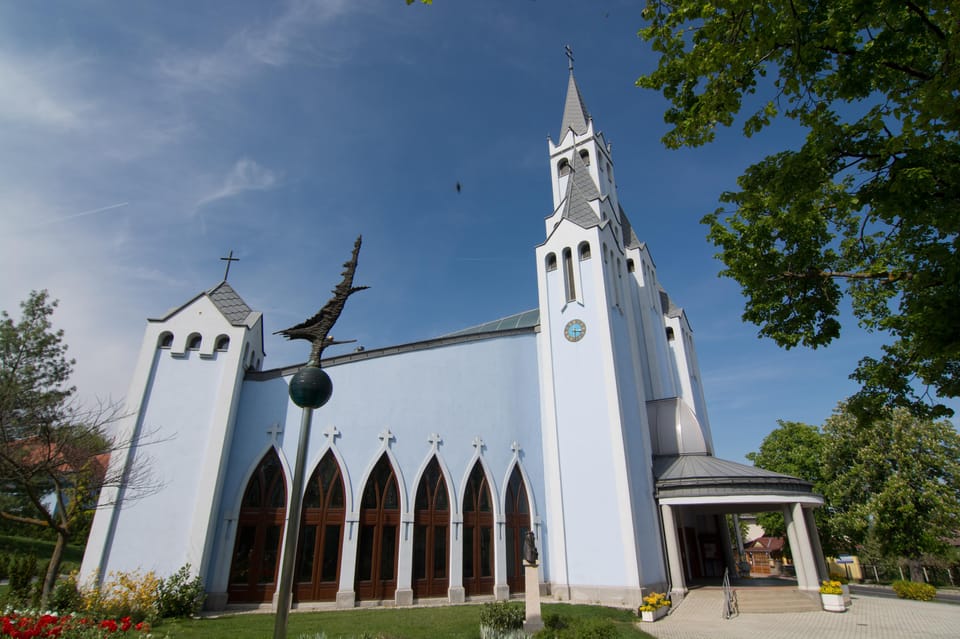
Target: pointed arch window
[(376, 574), (517, 511), (321, 533), (569, 284), (477, 534), (256, 549), (431, 534)]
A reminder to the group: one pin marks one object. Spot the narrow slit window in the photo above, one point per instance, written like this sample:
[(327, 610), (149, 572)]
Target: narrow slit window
[(568, 275)]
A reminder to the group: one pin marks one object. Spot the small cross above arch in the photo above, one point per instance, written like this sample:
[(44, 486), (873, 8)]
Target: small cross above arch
[(331, 433), (275, 431), (386, 436), (478, 444), (434, 440)]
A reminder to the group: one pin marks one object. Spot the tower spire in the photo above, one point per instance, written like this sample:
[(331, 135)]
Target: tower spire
[(575, 114)]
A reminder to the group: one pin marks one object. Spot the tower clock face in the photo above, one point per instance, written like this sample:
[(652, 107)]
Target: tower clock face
[(575, 330)]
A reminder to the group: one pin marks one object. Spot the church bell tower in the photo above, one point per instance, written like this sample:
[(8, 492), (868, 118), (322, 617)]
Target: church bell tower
[(595, 435)]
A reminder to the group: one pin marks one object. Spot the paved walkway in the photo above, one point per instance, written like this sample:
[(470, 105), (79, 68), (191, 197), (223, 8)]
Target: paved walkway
[(699, 617)]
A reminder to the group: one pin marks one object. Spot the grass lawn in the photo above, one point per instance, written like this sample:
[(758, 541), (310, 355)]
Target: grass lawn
[(449, 622), (42, 549)]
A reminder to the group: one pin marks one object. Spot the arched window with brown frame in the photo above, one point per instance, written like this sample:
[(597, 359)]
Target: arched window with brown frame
[(517, 516), (256, 550), (477, 534), (376, 576), (431, 534), (321, 534)]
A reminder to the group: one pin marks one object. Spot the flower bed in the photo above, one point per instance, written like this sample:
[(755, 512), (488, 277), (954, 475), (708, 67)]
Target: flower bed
[(27, 626), (654, 606)]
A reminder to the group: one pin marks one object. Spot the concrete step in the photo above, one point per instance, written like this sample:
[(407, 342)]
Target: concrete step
[(769, 600)]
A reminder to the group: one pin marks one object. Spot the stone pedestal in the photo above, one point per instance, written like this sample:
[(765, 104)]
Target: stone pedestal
[(533, 622)]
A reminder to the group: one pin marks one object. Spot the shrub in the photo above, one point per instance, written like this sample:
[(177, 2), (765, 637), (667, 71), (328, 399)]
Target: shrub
[(23, 570), (914, 590), (179, 595), (590, 628), (66, 596), (500, 619)]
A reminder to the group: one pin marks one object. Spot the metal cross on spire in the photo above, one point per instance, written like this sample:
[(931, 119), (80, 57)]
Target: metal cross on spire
[(228, 259), (569, 53)]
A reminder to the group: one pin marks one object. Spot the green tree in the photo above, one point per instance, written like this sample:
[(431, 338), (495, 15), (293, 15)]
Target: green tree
[(796, 449), (868, 208), (53, 452), (893, 483)]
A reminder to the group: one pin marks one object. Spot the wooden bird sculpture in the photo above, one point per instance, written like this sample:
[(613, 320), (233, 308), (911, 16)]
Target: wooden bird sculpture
[(317, 328)]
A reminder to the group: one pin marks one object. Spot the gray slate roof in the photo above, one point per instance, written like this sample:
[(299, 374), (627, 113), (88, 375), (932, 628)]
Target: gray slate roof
[(706, 475), (630, 238), (229, 303), (575, 115), (580, 191), (526, 319)]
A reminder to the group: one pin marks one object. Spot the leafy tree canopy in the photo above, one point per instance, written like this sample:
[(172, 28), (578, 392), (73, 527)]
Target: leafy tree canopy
[(53, 454), (892, 482), (868, 208)]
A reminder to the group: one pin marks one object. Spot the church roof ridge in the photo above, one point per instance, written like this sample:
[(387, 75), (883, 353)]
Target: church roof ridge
[(227, 301), (575, 114)]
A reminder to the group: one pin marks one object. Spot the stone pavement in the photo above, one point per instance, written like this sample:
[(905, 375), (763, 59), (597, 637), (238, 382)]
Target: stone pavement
[(699, 617)]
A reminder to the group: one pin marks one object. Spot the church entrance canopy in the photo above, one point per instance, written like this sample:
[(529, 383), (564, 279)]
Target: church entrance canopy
[(689, 487)]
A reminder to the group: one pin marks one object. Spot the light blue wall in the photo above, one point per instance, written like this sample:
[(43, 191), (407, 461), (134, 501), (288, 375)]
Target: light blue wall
[(153, 533), (487, 388)]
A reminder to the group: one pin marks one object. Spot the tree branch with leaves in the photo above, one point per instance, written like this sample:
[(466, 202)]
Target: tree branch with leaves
[(868, 208)]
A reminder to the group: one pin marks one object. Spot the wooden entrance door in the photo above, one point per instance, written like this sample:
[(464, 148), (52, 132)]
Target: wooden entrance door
[(477, 535), (430, 534), (376, 577), (253, 571), (517, 525), (321, 534)]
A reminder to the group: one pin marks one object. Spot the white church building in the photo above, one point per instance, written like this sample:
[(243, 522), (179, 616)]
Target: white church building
[(591, 430)]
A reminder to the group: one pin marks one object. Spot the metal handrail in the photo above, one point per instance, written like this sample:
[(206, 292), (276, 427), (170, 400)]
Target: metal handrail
[(729, 596)]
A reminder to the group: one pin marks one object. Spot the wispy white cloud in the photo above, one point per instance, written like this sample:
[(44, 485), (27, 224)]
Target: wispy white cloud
[(34, 94), (246, 175), (289, 36)]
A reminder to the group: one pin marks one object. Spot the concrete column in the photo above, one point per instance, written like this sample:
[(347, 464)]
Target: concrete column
[(674, 560), (795, 549), (803, 552), (727, 544), (822, 570), (736, 532)]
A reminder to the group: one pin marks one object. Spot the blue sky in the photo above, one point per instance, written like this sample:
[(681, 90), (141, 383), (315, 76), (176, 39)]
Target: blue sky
[(140, 142)]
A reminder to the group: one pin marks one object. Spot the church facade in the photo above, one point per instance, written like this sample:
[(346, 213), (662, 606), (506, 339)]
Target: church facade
[(582, 420)]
